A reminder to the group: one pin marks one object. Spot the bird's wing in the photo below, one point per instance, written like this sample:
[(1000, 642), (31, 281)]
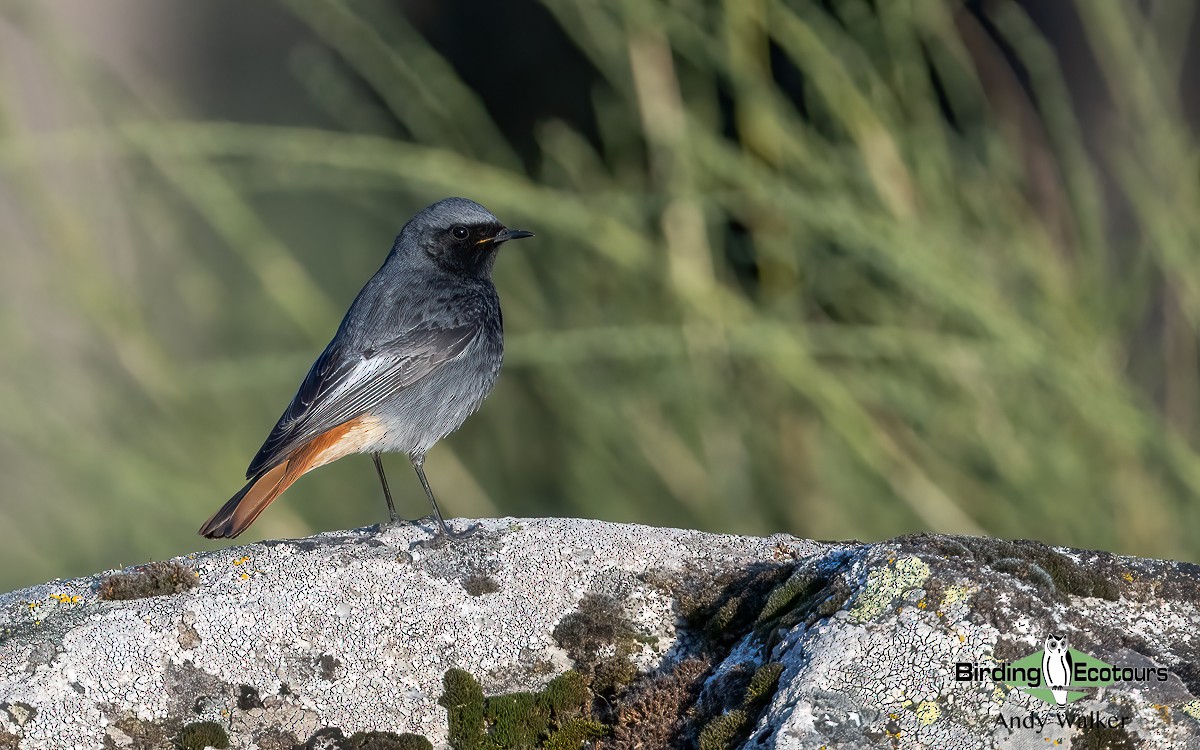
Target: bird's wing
[(342, 385)]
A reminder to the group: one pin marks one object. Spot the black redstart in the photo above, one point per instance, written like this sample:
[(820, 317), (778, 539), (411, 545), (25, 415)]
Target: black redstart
[(416, 354)]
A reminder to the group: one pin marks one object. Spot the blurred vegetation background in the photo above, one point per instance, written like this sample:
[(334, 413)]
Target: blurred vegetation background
[(839, 268)]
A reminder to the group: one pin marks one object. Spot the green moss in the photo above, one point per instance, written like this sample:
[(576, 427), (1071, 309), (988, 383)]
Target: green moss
[(804, 597), (730, 728), (516, 719), (927, 712), (551, 718), (385, 741), (202, 734), (154, 579), (566, 695), (721, 732), (463, 699), (1191, 708), (762, 684), (801, 586), (573, 733)]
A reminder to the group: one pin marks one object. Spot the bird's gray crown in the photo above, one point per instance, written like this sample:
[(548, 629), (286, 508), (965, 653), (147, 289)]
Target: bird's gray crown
[(448, 212)]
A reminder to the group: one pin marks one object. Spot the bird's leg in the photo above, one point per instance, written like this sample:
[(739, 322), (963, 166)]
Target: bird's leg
[(387, 493), (445, 534), (419, 464)]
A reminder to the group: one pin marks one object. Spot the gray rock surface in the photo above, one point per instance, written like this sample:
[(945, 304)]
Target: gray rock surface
[(684, 638)]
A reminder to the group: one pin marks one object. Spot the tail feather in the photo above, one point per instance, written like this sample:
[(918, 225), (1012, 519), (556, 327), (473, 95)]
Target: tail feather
[(241, 510)]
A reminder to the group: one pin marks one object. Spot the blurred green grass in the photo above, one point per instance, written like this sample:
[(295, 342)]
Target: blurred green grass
[(898, 304)]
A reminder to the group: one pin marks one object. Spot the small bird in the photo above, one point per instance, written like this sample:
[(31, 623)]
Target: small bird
[(416, 354)]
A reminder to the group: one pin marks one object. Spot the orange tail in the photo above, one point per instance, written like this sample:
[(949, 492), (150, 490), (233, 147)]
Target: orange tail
[(241, 510), (236, 515)]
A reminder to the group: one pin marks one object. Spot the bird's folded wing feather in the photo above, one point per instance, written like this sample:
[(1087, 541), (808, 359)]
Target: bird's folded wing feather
[(343, 385)]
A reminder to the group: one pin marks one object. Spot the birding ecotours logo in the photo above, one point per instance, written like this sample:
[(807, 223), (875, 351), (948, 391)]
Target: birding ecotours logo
[(1057, 674)]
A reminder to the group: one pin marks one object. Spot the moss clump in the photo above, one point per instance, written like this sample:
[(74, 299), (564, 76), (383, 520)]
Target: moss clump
[(655, 712), (516, 719), (722, 607), (202, 734), (552, 718), (805, 597), (9, 741), (328, 667), (762, 685), (248, 698), (463, 699), (600, 639), (731, 727), (573, 733), (479, 584), (154, 579), (566, 695), (720, 733), (1105, 738), (385, 741)]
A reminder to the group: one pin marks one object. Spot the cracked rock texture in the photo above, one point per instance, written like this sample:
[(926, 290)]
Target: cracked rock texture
[(282, 642)]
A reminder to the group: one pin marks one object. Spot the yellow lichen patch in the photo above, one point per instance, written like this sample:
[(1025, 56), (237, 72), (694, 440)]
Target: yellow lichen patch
[(956, 593), (242, 560), (66, 598), (1127, 576), (927, 712), (884, 585), (1191, 708)]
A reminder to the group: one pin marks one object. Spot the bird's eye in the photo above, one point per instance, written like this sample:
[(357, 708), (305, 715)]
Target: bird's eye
[(459, 232)]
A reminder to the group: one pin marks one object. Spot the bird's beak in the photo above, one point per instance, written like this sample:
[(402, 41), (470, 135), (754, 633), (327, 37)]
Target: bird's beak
[(505, 235)]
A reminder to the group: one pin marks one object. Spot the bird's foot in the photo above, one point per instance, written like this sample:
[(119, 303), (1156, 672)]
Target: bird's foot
[(445, 535)]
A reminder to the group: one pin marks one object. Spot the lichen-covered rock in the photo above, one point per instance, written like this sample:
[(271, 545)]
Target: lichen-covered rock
[(562, 633), (884, 670), (348, 631)]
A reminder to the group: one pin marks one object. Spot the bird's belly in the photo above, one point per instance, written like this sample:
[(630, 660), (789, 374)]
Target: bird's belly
[(424, 413)]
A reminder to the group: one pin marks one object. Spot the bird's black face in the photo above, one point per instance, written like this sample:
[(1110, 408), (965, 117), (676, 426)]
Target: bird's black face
[(470, 249), (457, 235)]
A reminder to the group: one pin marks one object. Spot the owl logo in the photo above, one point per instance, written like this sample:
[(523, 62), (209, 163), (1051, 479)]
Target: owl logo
[(1056, 667)]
